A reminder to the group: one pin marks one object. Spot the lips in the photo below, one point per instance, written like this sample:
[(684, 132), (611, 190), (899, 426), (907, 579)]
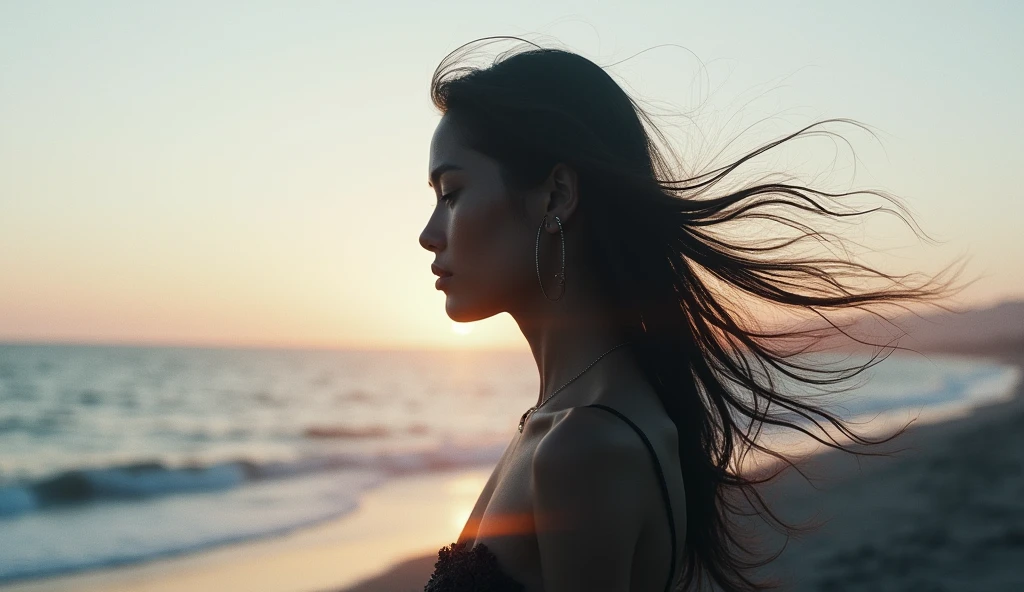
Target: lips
[(443, 276)]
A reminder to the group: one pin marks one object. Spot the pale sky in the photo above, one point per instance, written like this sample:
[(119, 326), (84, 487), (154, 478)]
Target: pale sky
[(254, 173)]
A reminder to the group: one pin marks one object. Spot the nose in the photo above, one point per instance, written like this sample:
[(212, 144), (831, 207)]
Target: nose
[(431, 239)]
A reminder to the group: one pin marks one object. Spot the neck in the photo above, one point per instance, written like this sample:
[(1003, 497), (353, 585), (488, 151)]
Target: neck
[(565, 337)]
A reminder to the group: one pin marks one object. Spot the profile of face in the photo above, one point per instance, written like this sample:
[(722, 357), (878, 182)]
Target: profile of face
[(474, 231)]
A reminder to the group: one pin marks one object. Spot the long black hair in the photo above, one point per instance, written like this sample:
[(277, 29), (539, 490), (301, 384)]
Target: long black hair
[(677, 284)]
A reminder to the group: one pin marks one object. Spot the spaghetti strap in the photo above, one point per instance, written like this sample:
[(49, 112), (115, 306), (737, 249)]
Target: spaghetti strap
[(661, 479)]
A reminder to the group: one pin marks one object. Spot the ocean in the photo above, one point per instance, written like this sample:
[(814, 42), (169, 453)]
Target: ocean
[(118, 454)]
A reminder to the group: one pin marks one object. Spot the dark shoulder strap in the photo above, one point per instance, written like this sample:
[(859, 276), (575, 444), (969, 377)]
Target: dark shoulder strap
[(661, 480)]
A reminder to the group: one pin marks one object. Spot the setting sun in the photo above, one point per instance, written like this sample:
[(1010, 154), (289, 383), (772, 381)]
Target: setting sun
[(462, 328), (464, 491)]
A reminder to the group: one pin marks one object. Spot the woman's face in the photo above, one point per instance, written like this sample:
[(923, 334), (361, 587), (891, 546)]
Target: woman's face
[(473, 231)]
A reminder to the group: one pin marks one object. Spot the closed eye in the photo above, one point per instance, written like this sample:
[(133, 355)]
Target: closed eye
[(448, 196)]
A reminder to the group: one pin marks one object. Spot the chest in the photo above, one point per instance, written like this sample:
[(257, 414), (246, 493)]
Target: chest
[(502, 518)]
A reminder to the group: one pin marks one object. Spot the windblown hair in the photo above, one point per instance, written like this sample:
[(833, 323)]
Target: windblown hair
[(676, 282)]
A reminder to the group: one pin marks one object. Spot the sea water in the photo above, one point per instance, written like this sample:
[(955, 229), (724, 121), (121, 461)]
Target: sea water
[(117, 454)]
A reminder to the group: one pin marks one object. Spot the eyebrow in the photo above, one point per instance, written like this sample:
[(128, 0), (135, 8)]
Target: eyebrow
[(440, 170)]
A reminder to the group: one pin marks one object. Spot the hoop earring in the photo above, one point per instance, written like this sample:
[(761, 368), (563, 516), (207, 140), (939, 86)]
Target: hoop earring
[(560, 276)]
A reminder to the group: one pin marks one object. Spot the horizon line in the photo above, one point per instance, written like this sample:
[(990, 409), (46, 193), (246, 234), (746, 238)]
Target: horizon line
[(34, 342)]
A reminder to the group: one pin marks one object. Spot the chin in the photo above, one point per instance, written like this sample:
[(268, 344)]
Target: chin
[(461, 313)]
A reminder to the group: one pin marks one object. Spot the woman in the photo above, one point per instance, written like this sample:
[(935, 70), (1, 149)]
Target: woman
[(555, 205)]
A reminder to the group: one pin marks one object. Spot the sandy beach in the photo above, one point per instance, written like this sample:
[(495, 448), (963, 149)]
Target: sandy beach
[(947, 513)]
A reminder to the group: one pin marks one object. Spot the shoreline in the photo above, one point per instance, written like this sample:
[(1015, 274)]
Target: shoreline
[(339, 552), (370, 551)]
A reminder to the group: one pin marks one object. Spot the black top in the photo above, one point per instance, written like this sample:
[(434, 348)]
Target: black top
[(459, 569)]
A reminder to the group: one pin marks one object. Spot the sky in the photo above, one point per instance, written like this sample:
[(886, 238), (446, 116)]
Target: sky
[(254, 173)]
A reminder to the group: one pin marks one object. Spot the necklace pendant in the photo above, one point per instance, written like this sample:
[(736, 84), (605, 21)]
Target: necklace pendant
[(522, 420)]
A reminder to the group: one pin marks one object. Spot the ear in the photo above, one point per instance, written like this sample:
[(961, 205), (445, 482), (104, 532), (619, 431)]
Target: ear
[(563, 189)]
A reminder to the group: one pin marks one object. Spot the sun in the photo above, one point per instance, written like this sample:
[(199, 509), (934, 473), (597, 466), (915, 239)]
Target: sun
[(462, 328), (462, 495)]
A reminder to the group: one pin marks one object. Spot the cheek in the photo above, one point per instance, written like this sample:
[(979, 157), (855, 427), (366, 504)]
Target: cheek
[(486, 243)]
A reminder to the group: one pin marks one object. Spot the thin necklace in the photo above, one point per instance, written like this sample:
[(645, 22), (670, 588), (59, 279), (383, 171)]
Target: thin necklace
[(529, 411)]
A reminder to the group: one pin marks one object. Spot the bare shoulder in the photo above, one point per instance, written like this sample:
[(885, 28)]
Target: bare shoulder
[(589, 504), (591, 451), (594, 454), (587, 435)]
